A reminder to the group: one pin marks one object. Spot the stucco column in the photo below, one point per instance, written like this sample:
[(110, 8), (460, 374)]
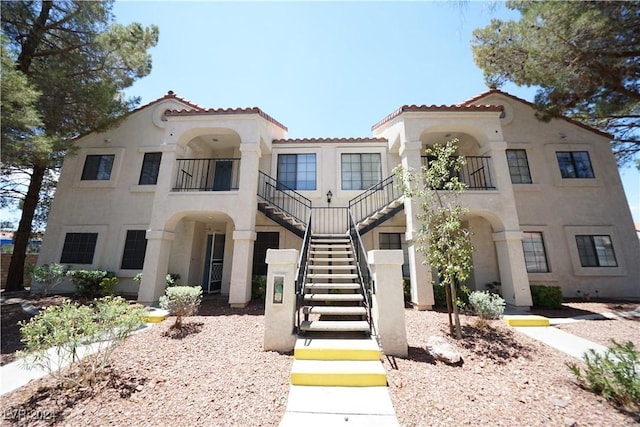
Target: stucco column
[(240, 287), (247, 202), (513, 271), (280, 300), (388, 301), (156, 264), (419, 271)]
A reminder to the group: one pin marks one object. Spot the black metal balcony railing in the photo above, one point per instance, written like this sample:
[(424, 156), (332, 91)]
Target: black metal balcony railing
[(476, 172), (207, 175)]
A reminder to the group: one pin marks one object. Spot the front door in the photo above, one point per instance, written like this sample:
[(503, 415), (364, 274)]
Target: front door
[(212, 277), (222, 175)]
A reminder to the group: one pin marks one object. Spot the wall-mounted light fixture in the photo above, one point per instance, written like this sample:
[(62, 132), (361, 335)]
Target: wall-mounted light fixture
[(329, 196)]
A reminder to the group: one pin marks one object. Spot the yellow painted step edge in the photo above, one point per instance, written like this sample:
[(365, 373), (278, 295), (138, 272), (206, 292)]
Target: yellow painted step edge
[(338, 380), (335, 354), (526, 320)]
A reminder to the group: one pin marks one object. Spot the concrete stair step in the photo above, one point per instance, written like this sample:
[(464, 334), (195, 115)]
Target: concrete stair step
[(327, 286), (333, 310), (336, 349), (332, 267), (332, 260), (332, 276), (313, 253), (334, 297), (342, 373), (343, 240), (334, 326)]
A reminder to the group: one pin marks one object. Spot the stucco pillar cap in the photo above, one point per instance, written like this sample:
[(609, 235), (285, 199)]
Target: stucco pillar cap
[(393, 257), (282, 256)]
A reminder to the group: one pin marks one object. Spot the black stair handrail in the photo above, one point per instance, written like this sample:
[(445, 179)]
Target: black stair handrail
[(374, 198), (301, 272), (364, 271), (284, 198)]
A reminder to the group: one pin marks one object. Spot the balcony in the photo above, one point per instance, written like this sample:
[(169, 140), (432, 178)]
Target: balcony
[(476, 172), (207, 175)]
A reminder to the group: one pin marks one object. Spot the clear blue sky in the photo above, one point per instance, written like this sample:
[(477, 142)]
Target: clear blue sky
[(323, 69)]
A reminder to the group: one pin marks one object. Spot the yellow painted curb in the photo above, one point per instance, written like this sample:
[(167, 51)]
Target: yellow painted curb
[(526, 320), (335, 354), (338, 379)]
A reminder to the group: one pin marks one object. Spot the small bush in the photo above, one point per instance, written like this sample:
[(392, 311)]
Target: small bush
[(48, 276), (440, 296), (68, 327), (92, 284), (258, 287), (181, 301), (487, 305), (494, 287), (406, 289), (169, 280), (462, 296), (614, 375), (546, 296)]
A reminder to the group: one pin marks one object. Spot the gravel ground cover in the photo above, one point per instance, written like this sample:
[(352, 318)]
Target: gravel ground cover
[(215, 373)]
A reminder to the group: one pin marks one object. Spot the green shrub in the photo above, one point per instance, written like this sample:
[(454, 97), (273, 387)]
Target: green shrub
[(48, 276), (494, 287), (406, 289), (67, 328), (440, 296), (462, 296), (259, 287), (169, 280), (487, 305), (181, 301), (615, 375), (92, 284), (546, 296)]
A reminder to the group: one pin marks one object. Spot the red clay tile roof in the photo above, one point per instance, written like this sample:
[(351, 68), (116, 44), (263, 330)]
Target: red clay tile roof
[(457, 108), (319, 140), (201, 111), (531, 104), (169, 95)]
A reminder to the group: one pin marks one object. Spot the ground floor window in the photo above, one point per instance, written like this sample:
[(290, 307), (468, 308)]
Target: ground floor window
[(596, 251), (135, 246), (79, 248), (535, 256), (396, 241), (264, 241)]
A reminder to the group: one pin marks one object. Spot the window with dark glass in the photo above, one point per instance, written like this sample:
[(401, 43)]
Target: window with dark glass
[(79, 248), (596, 251), (297, 171), (574, 164), (135, 246), (535, 256), (150, 169), (360, 171), (264, 241), (396, 241), (98, 167), (518, 166)]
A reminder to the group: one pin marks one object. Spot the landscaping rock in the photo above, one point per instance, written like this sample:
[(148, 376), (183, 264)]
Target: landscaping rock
[(443, 351)]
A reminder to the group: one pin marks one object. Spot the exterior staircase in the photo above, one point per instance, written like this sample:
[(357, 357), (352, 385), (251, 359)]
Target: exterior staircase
[(333, 299)]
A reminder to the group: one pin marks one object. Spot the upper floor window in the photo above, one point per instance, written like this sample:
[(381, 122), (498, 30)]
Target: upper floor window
[(297, 171), (596, 251), (79, 248), (360, 171), (574, 164), (135, 246), (518, 166), (150, 169), (535, 256), (98, 167)]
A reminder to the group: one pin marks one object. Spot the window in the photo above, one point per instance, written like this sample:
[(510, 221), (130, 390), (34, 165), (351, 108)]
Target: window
[(360, 171), (535, 256), (518, 166), (264, 241), (150, 168), (79, 248), (135, 246), (297, 171), (596, 251), (98, 167), (396, 241), (574, 164)]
